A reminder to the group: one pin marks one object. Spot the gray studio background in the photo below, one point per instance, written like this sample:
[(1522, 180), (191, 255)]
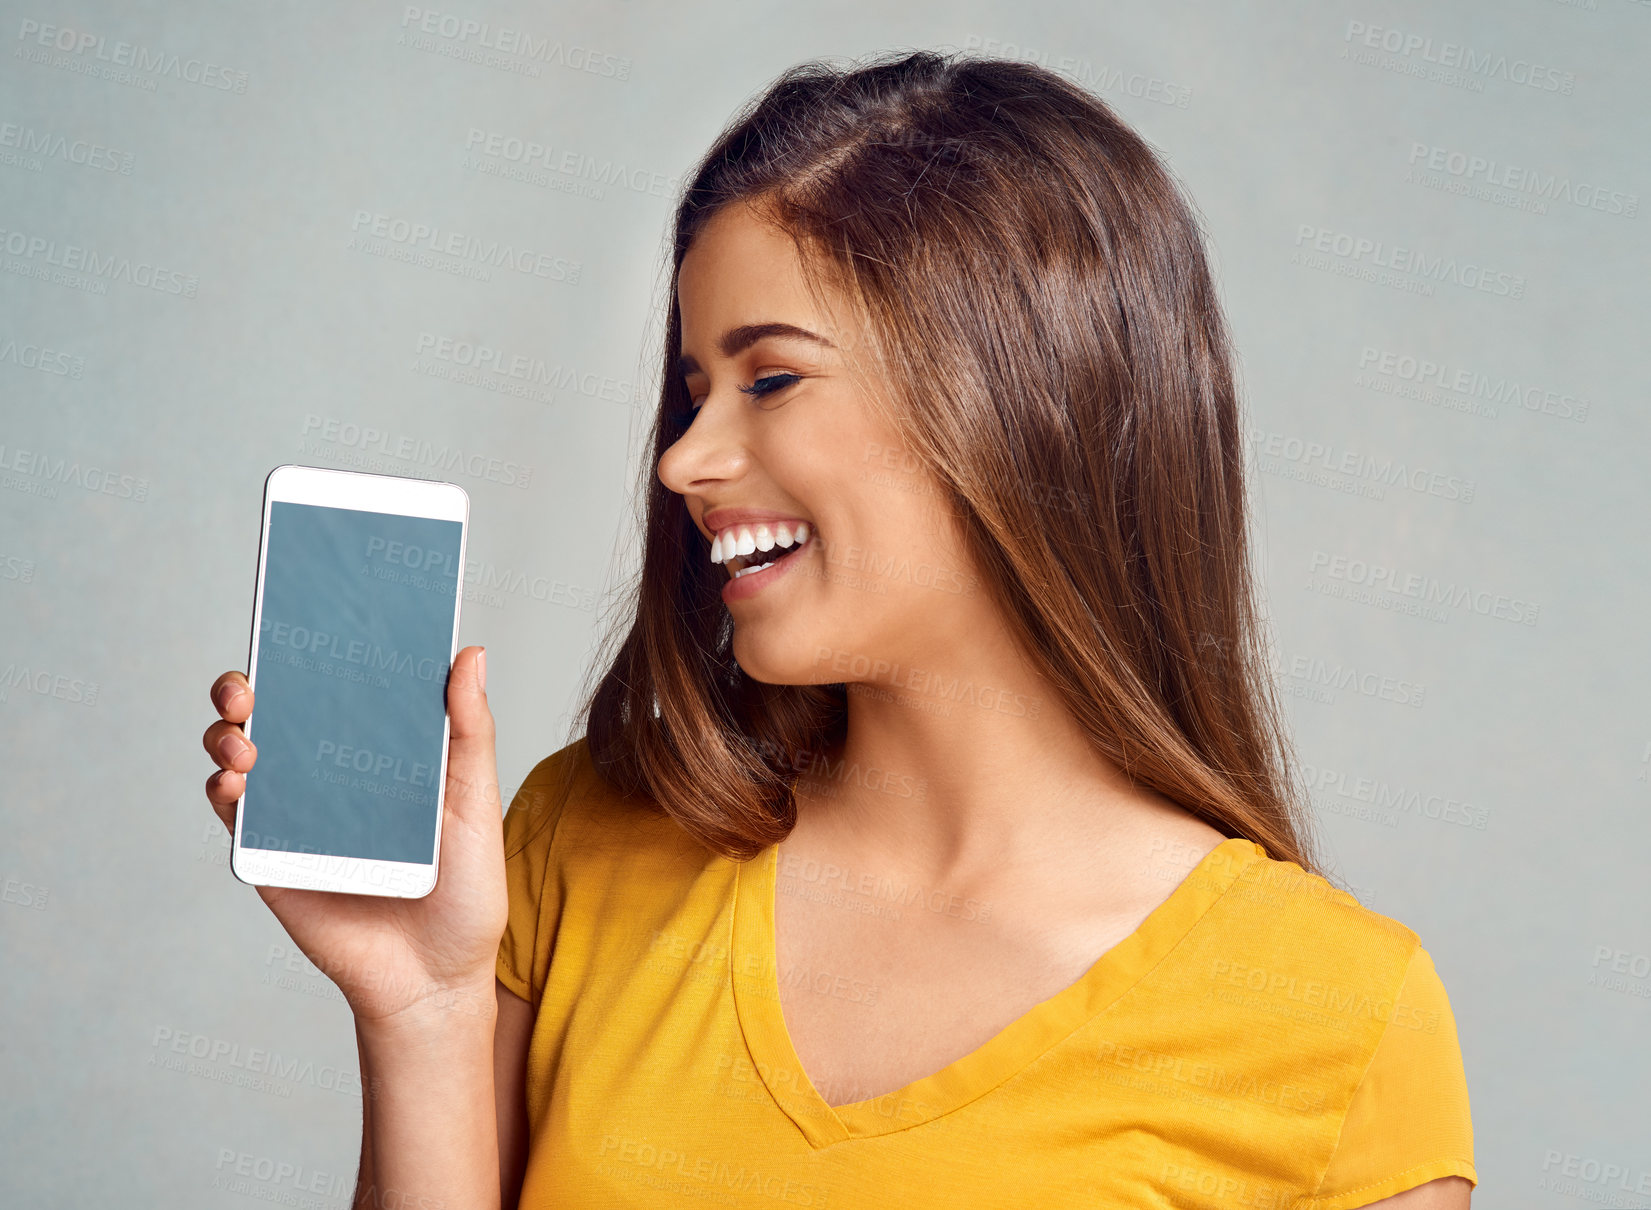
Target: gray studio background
[(1429, 226)]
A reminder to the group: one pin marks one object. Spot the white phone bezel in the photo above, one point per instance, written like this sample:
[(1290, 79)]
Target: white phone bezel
[(291, 483)]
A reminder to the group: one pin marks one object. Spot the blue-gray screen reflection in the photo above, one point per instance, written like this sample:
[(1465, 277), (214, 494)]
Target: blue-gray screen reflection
[(353, 652)]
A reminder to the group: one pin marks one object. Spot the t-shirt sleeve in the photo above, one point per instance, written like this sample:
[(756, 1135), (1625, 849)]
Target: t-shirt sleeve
[(1408, 1122), (534, 884)]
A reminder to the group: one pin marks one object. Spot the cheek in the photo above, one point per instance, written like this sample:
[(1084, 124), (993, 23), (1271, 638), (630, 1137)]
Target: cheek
[(877, 505), (838, 443), (819, 464)]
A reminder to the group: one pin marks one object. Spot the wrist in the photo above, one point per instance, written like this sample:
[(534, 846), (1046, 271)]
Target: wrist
[(443, 1010)]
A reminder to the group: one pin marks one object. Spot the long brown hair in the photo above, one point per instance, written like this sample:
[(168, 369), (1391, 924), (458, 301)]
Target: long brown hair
[(1038, 300)]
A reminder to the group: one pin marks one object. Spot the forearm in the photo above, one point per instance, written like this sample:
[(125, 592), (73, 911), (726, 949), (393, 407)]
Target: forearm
[(364, 1172), (429, 1125)]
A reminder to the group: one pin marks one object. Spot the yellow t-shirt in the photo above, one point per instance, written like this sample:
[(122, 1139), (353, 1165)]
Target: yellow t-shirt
[(1260, 1041)]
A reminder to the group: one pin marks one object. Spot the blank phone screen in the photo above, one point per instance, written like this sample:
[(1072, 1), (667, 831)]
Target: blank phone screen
[(354, 643)]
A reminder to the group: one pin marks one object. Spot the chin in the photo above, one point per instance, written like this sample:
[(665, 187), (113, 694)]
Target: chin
[(771, 671), (775, 659)]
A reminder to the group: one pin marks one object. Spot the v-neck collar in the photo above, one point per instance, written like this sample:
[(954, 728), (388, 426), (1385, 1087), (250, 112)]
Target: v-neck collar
[(754, 972)]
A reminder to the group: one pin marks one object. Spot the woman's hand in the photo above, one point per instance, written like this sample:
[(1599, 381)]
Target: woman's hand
[(389, 956)]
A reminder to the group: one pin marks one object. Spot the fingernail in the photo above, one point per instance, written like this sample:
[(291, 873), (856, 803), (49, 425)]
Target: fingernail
[(481, 669), (229, 748)]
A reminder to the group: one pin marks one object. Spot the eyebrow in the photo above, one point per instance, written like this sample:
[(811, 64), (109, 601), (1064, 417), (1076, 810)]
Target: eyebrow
[(736, 340)]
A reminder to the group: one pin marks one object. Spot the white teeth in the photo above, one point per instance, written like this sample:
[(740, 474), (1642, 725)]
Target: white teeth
[(744, 539)]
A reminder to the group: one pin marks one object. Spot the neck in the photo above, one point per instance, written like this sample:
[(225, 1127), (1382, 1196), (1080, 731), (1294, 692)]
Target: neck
[(972, 772)]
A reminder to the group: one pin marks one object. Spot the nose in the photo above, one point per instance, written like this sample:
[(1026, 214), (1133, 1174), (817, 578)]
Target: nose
[(711, 451)]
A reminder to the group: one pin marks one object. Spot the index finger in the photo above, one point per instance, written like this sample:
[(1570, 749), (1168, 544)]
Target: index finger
[(232, 696)]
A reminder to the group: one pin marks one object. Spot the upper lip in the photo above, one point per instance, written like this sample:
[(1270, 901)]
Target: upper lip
[(719, 519)]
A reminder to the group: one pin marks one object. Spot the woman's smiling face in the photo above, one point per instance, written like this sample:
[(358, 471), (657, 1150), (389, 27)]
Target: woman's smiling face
[(882, 579)]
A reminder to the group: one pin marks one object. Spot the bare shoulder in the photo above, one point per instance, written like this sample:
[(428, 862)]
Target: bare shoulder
[(1178, 839), (1164, 846), (1200, 836)]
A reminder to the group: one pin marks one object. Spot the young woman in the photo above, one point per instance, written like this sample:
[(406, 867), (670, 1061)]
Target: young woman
[(932, 839)]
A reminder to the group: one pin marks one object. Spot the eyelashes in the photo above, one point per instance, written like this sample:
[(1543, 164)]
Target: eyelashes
[(764, 386), (770, 383)]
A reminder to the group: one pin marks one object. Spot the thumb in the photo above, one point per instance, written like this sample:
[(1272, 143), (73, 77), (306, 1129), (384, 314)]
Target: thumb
[(472, 765)]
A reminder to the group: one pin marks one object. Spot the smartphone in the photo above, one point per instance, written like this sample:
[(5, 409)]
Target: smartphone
[(355, 623)]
